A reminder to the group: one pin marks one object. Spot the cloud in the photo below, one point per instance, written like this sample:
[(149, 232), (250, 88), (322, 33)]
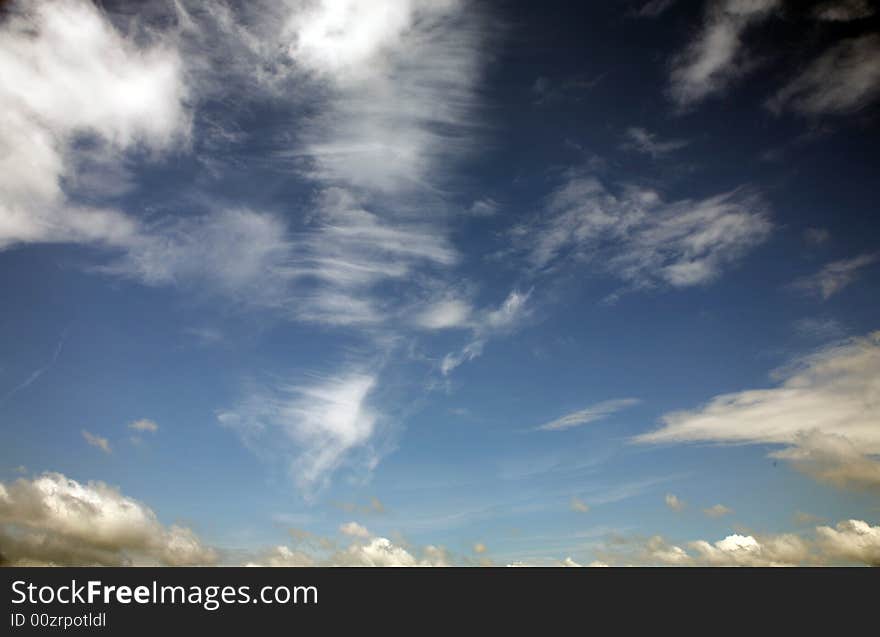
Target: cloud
[(588, 414), (843, 10), (578, 505), (733, 550), (72, 82), (835, 276), (714, 59), (97, 441), (37, 373), (316, 427), (641, 141), (637, 237), (674, 503), (842, 80), (380, 551), (851, 541), (144, 424), (833, 459), (490, 323), (485, 207), (823, 410), (653, 8), (819, 328), (444, 314), (400, 78), (354, 529), (816, 236), (717, 511), (53, 520)]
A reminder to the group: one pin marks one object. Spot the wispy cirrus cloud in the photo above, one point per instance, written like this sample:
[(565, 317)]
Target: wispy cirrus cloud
[(635, 236), (490, 323), (313, 428), (715, 57), (587, 415), (642, 141), (841, 80), (835, 276)]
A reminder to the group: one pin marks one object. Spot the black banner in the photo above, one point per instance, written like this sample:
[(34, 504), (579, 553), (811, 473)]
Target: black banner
[(126, 601)]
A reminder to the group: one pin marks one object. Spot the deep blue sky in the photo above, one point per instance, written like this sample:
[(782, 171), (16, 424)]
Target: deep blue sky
[(490, 265)]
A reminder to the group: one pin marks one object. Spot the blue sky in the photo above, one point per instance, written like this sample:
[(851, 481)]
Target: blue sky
[(398, 282)]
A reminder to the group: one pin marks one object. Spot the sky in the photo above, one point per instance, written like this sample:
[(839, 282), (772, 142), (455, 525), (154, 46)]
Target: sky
[(436, 282)]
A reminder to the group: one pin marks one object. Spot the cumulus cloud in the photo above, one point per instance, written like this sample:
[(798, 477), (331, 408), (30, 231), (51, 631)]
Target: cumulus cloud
[(144, 425), (646, 143), (354, 529), (715, 58), (842, 80), (674, 502), (833, 459), (380, 551), (53, 520), (315, 426), (717, 511), (824, 410), (639, 238), (588, 414), (97, 441), (851, 541), (71, 80), (835, 276)]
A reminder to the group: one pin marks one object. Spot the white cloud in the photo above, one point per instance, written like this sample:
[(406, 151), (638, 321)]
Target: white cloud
[(746, 550), (851, 541), (823, 410), (354, 529), (835, 276), (639, 238), (844, 79), (400, 78), (451, 313), (642, 141), (97, 441), (319, 424), (70, 79), (674, 502), (507, 317), (485, 207), (58, 521), (144, 424), (588, 414), (715, 58), (717, 511), (380, 551), (833, 459)]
